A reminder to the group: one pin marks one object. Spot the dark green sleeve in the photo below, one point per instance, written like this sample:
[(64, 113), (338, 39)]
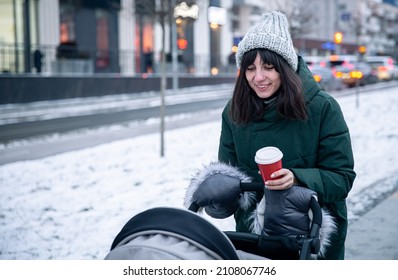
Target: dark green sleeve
[(333, 176), (226, 150)]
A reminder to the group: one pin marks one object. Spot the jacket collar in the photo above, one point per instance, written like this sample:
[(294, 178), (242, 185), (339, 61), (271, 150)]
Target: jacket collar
[(310, 86)]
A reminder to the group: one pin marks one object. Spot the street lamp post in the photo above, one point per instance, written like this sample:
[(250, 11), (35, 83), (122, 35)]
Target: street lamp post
[(174, 50), (27, 49)]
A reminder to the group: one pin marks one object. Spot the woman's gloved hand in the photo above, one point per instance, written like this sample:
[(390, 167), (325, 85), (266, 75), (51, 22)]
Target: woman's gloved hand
[(219, 195)]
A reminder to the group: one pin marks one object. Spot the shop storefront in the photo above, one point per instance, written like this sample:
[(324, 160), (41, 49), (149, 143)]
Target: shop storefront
[(59, 37), (18, 36), (89, 35), (181, 17)]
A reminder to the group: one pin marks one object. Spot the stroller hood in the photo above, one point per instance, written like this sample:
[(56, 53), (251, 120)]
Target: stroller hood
[(171, 233)]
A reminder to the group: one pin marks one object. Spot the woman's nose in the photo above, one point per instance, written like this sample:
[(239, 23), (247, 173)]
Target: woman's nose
[(259, 75)]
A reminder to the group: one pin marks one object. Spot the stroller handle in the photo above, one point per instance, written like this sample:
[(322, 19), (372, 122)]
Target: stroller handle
[(194, 207)]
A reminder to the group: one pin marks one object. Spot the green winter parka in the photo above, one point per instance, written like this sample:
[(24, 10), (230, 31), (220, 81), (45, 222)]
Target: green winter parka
[(318, 151)]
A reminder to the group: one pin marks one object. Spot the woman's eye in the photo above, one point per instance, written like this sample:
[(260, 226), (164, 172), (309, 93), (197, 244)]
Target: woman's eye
[(268, 67)]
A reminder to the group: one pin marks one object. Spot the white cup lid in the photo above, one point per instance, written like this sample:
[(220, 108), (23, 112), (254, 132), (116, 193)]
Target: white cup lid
[(268, 155)]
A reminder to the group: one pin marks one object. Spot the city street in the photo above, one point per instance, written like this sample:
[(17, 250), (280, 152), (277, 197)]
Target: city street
[(20, 121)]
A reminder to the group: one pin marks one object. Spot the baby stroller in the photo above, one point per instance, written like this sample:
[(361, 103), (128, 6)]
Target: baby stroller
[(172, 233), (166, 233)]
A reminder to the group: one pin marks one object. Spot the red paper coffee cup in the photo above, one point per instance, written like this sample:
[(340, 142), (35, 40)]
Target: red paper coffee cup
[(269, 160)]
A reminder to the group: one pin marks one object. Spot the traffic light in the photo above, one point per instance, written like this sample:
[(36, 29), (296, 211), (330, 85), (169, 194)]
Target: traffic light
[(182, 43), (338, 37), (362, 49)]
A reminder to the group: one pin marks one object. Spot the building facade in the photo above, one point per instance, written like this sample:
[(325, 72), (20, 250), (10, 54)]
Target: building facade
[(85, 37)]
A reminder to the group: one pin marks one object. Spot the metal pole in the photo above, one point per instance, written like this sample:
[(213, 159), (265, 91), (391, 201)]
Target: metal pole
[(174, 50), (16, 50), (163, 81), (27, 48), (357, 93)]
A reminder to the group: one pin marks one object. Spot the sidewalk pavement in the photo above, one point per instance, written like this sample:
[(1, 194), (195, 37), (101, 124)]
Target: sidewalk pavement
[(375, 235)]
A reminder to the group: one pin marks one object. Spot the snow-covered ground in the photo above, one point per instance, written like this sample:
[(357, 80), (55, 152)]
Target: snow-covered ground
[(72, 205)]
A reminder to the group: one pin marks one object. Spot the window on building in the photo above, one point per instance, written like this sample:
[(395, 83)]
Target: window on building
[(102, 22), (67, 22)]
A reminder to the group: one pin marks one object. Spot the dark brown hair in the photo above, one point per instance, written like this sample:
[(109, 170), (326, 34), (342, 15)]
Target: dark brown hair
[(246, 106)]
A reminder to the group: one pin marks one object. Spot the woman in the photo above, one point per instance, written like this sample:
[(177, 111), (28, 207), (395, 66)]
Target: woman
[(276, 102)]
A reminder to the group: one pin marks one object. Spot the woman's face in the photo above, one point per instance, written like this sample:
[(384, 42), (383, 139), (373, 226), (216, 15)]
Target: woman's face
[(263, 78)]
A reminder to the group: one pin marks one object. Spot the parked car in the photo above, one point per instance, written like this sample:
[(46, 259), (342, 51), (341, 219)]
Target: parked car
[(356, 73), (369, 74), (324, 76), (337, 60), (386, 67), (317, 60), (347, 75)]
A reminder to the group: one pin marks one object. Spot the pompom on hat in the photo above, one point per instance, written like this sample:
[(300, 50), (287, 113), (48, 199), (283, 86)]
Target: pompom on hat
[(272, 33)]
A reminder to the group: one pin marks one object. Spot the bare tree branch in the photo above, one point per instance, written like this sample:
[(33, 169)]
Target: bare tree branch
[(300, 14)]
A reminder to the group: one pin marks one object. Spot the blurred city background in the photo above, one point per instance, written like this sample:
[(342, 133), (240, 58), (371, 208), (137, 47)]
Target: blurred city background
[(77, 75), (54, 49)]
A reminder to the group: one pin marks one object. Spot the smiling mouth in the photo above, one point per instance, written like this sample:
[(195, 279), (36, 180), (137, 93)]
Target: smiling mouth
[(262, 87)]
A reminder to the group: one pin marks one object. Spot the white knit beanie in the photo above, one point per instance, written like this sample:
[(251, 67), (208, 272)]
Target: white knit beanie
[(272, 33)]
